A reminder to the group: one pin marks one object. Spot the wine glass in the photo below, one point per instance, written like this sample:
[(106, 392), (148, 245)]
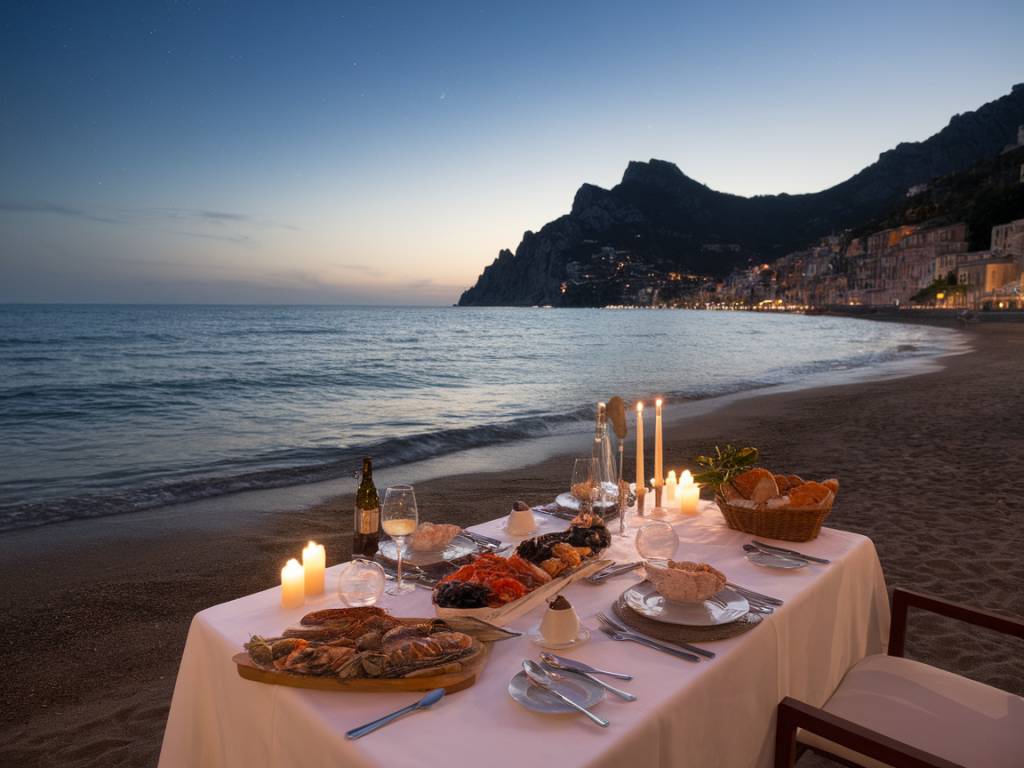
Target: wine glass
[(398, 517), (585, 487)]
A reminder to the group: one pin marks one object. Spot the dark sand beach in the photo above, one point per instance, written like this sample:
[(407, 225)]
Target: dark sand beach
[(96, 612)]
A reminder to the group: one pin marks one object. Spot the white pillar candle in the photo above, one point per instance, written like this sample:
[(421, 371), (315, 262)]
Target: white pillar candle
[(689, 494), (314, 560), (293, 585), (669, 495)]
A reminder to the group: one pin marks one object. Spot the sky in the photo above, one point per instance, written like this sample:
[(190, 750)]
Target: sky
[(331, 152)]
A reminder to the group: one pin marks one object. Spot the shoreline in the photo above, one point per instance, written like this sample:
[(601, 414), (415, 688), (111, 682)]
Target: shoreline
[(512, 453), (922, 466)]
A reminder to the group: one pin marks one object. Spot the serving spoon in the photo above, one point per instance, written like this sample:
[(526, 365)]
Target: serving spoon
[(540, 676)]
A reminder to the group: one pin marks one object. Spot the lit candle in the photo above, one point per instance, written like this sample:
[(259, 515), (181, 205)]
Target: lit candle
[(293, 585), (639, 446), (689, 494), (314, 560), (670, 489), (659, 477)]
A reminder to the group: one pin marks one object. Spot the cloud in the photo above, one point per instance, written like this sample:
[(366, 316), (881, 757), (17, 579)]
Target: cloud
[(207, 236), (127, 215), (53, 208), (209, 216)]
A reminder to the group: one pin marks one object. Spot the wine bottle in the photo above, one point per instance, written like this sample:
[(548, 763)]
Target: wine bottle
[(366, 529)]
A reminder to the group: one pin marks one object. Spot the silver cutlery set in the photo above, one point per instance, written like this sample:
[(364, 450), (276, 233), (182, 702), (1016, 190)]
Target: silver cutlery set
[(553, 670)]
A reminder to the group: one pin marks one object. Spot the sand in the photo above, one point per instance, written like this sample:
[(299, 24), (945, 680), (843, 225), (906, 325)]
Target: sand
[(96, 612)]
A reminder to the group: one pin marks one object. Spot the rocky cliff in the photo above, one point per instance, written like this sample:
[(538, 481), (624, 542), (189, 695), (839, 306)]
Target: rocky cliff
[(676, 223)]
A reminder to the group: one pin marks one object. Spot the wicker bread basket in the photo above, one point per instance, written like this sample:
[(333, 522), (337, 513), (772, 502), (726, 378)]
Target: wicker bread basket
[(788, 523)]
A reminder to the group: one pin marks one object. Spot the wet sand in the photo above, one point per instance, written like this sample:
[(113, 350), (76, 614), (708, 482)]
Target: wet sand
[(96, 612)]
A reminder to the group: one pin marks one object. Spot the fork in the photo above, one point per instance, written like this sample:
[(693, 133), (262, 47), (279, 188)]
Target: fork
[(601, 616), (616, 634)]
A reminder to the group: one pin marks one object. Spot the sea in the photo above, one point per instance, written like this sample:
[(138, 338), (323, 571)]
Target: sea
[(109, 409)]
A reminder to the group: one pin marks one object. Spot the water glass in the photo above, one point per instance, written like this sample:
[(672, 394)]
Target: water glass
[(360, 582), (584, 486), (657, 541)]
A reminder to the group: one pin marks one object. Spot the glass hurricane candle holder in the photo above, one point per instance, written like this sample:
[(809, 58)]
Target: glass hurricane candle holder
[(360, 583)]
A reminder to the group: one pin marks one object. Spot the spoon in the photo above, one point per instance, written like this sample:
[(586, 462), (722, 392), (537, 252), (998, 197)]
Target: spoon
[(573, 664), (540, 676), (553, 663), (429, 700)]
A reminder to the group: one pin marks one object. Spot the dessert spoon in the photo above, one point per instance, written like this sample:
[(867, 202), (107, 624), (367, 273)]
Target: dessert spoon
[(551, 662)]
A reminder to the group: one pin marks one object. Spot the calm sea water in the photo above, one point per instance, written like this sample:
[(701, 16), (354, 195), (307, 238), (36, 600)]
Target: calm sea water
[(106, 409)]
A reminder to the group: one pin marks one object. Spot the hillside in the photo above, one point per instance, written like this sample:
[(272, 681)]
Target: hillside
[(670, 222)]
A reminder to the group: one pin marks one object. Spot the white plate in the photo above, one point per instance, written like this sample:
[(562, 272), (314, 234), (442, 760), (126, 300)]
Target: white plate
[(458, 547), (725, 607), (581, 637), (533, 697), (542, 524), (769, 560), (570, 502)]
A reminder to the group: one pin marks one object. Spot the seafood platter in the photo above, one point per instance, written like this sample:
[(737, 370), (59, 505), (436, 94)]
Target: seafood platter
[(367, 649), (498, 589)]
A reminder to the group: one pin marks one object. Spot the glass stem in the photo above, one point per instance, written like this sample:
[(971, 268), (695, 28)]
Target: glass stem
[(398, 578)]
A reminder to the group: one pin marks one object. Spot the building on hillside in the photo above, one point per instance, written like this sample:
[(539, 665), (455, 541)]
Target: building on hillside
[(990, 280), (1008, 239)]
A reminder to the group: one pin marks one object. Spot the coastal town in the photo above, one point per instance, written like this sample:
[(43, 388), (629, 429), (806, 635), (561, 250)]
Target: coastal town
[(929, 264)]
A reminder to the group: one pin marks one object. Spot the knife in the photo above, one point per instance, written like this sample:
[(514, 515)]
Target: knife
[(790, 552), (481, 538), (612, 570)]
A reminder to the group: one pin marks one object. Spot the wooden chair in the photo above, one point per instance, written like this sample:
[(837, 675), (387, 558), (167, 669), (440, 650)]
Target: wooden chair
[(891, 711)]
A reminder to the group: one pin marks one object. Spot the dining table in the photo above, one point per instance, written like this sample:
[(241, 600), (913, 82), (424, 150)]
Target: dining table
[(713, 712)]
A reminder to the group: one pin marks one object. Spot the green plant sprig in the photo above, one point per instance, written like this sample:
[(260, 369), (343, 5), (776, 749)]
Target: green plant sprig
[(727, 462)]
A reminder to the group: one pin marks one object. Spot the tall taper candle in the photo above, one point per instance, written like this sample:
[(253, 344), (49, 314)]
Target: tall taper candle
[(639, 445), (659, 477)]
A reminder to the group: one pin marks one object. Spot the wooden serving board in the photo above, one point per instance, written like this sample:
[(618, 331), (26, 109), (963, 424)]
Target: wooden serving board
[(455, 681), (502, 615)]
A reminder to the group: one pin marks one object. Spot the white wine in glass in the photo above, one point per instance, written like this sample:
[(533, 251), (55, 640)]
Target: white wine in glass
[(398, 518)]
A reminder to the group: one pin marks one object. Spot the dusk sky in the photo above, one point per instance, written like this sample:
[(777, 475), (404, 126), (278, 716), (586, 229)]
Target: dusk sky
[(332, 152)]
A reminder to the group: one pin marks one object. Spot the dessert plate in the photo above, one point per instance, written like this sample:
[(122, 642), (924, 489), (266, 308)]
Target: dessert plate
[(584, 692), (568, 501), (725, 607), (770, 560), (458, 547), (542, 524), (581, 637)]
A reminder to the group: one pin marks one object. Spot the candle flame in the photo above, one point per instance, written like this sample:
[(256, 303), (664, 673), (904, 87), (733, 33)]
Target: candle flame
[(687, 477), (658, 402), (640, 406)]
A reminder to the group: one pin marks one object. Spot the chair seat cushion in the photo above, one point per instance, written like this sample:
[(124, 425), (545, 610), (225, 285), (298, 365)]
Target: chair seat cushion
[(966, 722)]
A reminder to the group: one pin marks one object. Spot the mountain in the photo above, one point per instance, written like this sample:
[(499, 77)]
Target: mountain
[(668, 222)]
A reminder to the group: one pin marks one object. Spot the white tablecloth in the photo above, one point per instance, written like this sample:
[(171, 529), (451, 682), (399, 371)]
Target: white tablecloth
[(719, 712)]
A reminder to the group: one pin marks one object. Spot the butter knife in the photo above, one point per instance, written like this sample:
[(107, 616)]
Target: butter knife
[(612, 570), (790, 552)]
